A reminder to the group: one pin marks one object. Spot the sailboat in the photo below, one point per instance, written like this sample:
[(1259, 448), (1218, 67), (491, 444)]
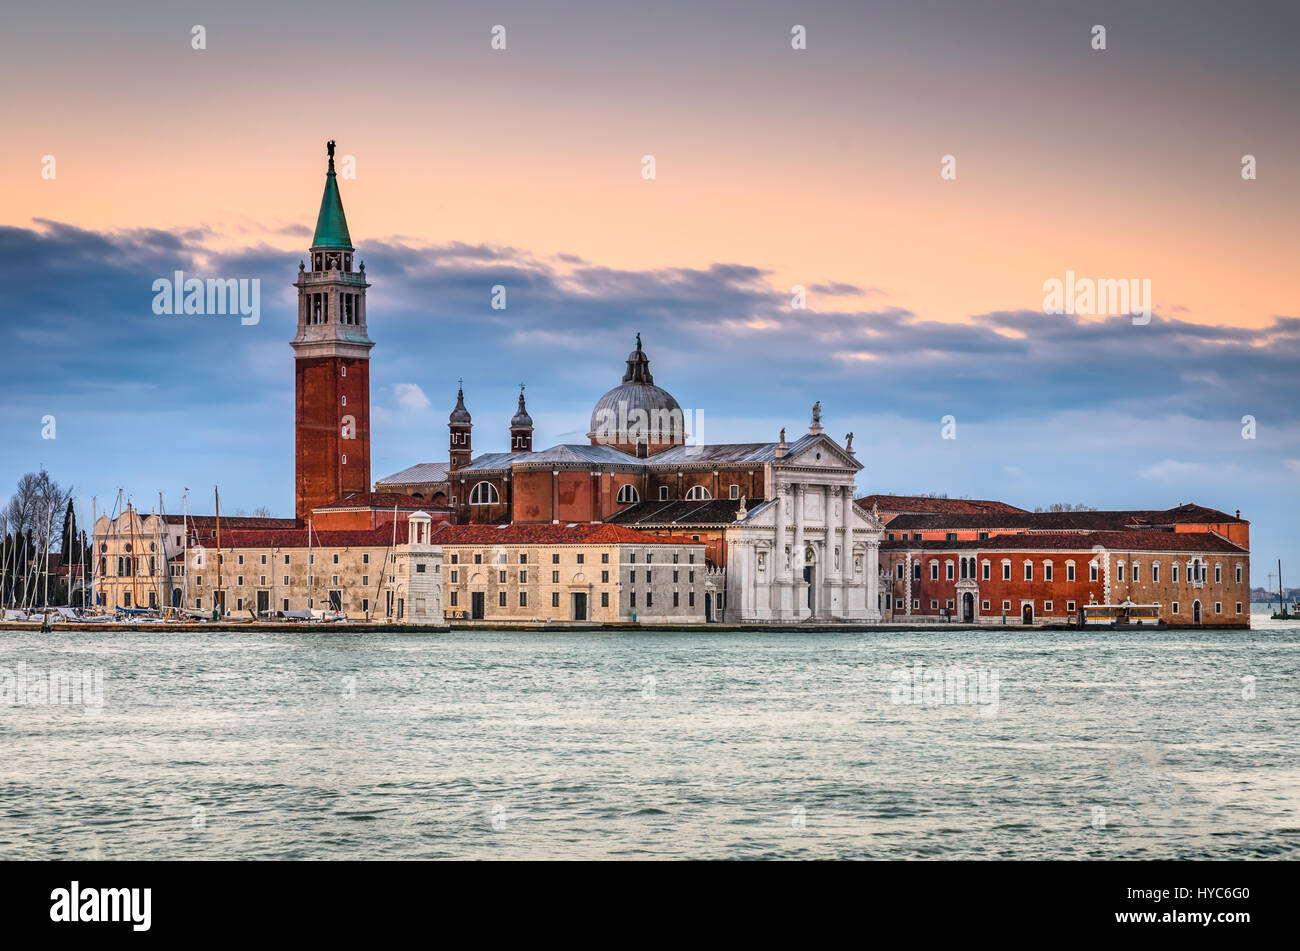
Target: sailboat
[(1284, 611)]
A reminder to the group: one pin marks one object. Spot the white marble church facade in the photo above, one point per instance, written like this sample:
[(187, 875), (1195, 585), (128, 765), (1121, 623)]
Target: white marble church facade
[(808, 553)]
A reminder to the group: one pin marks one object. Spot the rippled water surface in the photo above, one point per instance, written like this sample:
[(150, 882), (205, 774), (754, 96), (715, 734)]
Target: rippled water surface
[(503, 745)]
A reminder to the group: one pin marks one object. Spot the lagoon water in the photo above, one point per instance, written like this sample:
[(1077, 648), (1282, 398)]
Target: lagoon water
[(485, 745)]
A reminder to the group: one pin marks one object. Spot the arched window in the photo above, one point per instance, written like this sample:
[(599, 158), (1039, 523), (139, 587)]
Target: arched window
[(485, 493), (698, 492), (628, 494)]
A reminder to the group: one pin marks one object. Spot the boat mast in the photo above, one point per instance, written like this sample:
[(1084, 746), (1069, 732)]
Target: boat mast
[(310, 568), (49, 530), (221, 598), (94, 552), (185, 547)]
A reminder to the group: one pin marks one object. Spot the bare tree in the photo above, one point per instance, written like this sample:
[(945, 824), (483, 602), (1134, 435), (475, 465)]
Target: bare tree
[(38, 501), (1067, 507)]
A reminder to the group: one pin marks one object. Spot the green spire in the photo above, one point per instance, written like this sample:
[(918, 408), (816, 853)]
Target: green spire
[(331, 223)]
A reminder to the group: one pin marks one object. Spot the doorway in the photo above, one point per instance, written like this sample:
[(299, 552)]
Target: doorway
[(579, 612), (708, 606), (809, 574), (476, 606), (263, 602), (1196, 612), (968, 607), (1027, 614)]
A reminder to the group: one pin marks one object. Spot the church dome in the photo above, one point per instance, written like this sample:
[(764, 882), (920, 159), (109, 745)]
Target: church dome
[(460, 415), (521, 419), (637, 411)]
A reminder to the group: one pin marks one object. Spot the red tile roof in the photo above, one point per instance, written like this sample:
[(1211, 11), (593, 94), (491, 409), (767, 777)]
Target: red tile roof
[(379, 500), (229, 521), (580, 533), (1137, 540), (1094, 521), (921, 503)]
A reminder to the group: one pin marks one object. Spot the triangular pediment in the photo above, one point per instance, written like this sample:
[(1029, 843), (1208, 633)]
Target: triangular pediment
[(820, 451)]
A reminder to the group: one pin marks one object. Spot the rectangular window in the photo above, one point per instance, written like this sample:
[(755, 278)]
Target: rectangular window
[(581, 558), (419, 570), (1239, 579), (1069, 572), (1029, 571), (454, 575), (934, 571), (478, 557), (631, 599), (983, 536), (649, 599), (1218, 574), (1047, 605), (934, 604), (523, 558), (1069, 607), (690, 599), (555, 599), (735, 491), (948, 568), (604, 558), (454, 600), (663, 493), (984, 572), (286, 604), (1218, 607), (1006, 606), (1119, 569), (604, 577), (555, 558), (604, 599), (455, 558), (523, 599), (365, 558), (501, 577), (1047, 571), (523, 577), (1173, 572), (1175, 607), (1155, 573), (1238, 607), (1137, 572), (555, 577), (985, 605), (1006, 571), (1092, 572)]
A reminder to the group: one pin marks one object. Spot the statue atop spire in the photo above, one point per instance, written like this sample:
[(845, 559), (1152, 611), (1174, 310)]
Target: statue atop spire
[(331, 223)]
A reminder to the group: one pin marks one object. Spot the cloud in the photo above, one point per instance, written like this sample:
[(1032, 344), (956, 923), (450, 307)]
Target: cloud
[(410, 397), (1054, 401), (1173, 470)]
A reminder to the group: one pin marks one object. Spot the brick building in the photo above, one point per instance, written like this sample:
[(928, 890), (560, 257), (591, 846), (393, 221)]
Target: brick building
[(1035, 567)]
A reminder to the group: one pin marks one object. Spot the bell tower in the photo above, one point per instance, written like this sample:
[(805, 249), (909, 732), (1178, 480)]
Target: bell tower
[(521, 427), (460, 424), (331, 364)]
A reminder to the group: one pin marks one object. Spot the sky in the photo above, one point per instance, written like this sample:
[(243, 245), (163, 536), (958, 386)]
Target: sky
[(921, 169)]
